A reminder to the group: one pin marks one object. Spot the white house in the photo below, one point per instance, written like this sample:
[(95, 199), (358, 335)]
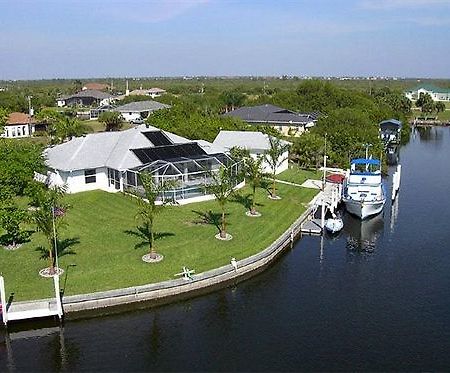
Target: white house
[(152, 92), (257, 143), (111, 161), (136, 111), (19, 125), (436, 93)]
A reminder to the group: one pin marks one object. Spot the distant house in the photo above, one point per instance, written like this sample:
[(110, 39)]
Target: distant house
[(19, 125), (436, 93), (152, 92), (288, 122), (257, 143), (95, 87), (112, 161), (85, 98), (136, 111)]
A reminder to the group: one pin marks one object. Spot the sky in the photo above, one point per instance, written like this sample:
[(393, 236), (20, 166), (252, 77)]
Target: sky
[(42, 39)]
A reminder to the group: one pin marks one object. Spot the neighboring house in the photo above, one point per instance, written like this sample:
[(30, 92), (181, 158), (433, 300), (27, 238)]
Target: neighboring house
[(95, 87), (86, 98), (111, 161), (136, 111), (94, 114), (288, 122), (19, 125), (152, 92), (436, 93), (257, 143)]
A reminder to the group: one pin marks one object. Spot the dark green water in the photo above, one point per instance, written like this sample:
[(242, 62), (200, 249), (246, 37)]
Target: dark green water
[(375, 298)]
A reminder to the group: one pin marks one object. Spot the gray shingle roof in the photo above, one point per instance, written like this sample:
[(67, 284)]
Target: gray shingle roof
[(141, 106), (271, 114), (106, 149), (99, 95)]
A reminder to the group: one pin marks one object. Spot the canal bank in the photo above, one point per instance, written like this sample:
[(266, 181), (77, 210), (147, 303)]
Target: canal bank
[(155, 294)]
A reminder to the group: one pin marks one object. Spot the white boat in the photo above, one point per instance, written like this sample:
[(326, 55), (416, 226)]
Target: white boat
[(364, 193), (334, 225)]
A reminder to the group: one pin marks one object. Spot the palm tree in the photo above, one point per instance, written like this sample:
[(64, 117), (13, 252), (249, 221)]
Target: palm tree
[(48, 218), (254, 175), (274, 156), (222, 186), (149, 209)]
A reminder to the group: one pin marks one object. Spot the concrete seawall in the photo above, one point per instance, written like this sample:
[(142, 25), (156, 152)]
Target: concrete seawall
[(172, 290)]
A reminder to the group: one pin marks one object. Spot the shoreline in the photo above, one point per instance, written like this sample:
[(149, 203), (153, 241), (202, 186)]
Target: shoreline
[(160, 293)]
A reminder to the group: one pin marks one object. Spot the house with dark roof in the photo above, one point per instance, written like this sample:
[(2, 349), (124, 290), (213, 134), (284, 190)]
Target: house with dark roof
[(112, 161), (86, 97), (288, 122), (436, 93), (136, 111), (19, 125)]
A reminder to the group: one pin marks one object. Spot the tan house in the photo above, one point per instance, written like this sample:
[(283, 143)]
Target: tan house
[(19, 125)]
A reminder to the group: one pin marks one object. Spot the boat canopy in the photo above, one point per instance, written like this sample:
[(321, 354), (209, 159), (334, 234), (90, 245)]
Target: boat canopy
[(391, 124), (375, 162)]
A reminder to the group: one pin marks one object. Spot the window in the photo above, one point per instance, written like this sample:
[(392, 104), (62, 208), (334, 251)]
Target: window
[(90, 176)]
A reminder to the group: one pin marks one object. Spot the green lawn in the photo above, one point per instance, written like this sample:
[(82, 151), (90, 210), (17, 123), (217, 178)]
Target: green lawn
[(105, 256), (297, 175)]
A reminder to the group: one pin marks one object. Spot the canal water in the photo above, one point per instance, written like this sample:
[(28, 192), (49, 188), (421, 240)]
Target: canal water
[(376, 297)]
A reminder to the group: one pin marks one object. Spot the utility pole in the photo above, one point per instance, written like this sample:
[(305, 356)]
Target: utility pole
[(30, 113)]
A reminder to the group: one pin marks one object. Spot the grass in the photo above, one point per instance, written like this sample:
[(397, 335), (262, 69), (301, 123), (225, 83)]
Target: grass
[(297, 175), (105, 256)]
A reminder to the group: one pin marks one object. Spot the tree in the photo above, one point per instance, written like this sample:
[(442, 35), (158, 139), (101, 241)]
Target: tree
[(11, 216), (232, 99), (275, 156), (426, 103), (18, 162), (149, 208), (254, 174), (112, 119), (49, 218), (3, 118), (440, 107), (222, 187), (64, 128)]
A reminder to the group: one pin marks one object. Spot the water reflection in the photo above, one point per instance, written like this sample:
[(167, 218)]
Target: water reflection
[(362, 235), (428, 133)]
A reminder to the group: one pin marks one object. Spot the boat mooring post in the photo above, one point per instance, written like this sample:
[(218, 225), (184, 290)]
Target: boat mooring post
[(3, 301)]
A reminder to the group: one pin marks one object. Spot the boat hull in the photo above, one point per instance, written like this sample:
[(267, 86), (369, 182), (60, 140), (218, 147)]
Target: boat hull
[(364, 209)]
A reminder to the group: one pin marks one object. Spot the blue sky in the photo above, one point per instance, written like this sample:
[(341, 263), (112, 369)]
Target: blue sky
[(101, 38)]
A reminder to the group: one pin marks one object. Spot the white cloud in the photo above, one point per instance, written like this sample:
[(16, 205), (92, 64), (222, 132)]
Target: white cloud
[(401, 4)]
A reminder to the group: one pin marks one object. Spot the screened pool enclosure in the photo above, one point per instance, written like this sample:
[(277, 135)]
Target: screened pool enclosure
[(188, 166)]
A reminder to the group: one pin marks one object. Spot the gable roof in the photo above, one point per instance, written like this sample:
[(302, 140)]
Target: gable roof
[(141, 106), (19, 118), (430, 88), (243, 139), (99, 95), (95, 86), (271, 114), (105, 149)]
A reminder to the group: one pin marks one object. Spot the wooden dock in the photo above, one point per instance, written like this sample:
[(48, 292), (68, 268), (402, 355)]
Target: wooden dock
[(18, 311), (312, 227)]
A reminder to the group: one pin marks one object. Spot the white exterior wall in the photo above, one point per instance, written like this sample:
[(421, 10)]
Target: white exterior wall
[(61, 103), (17, 131), (75, 181), (266, 166), (130, 116)]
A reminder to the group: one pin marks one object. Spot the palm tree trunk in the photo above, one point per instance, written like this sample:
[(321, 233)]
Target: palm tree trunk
[(223, 232), (152, 246), (253, 208)]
